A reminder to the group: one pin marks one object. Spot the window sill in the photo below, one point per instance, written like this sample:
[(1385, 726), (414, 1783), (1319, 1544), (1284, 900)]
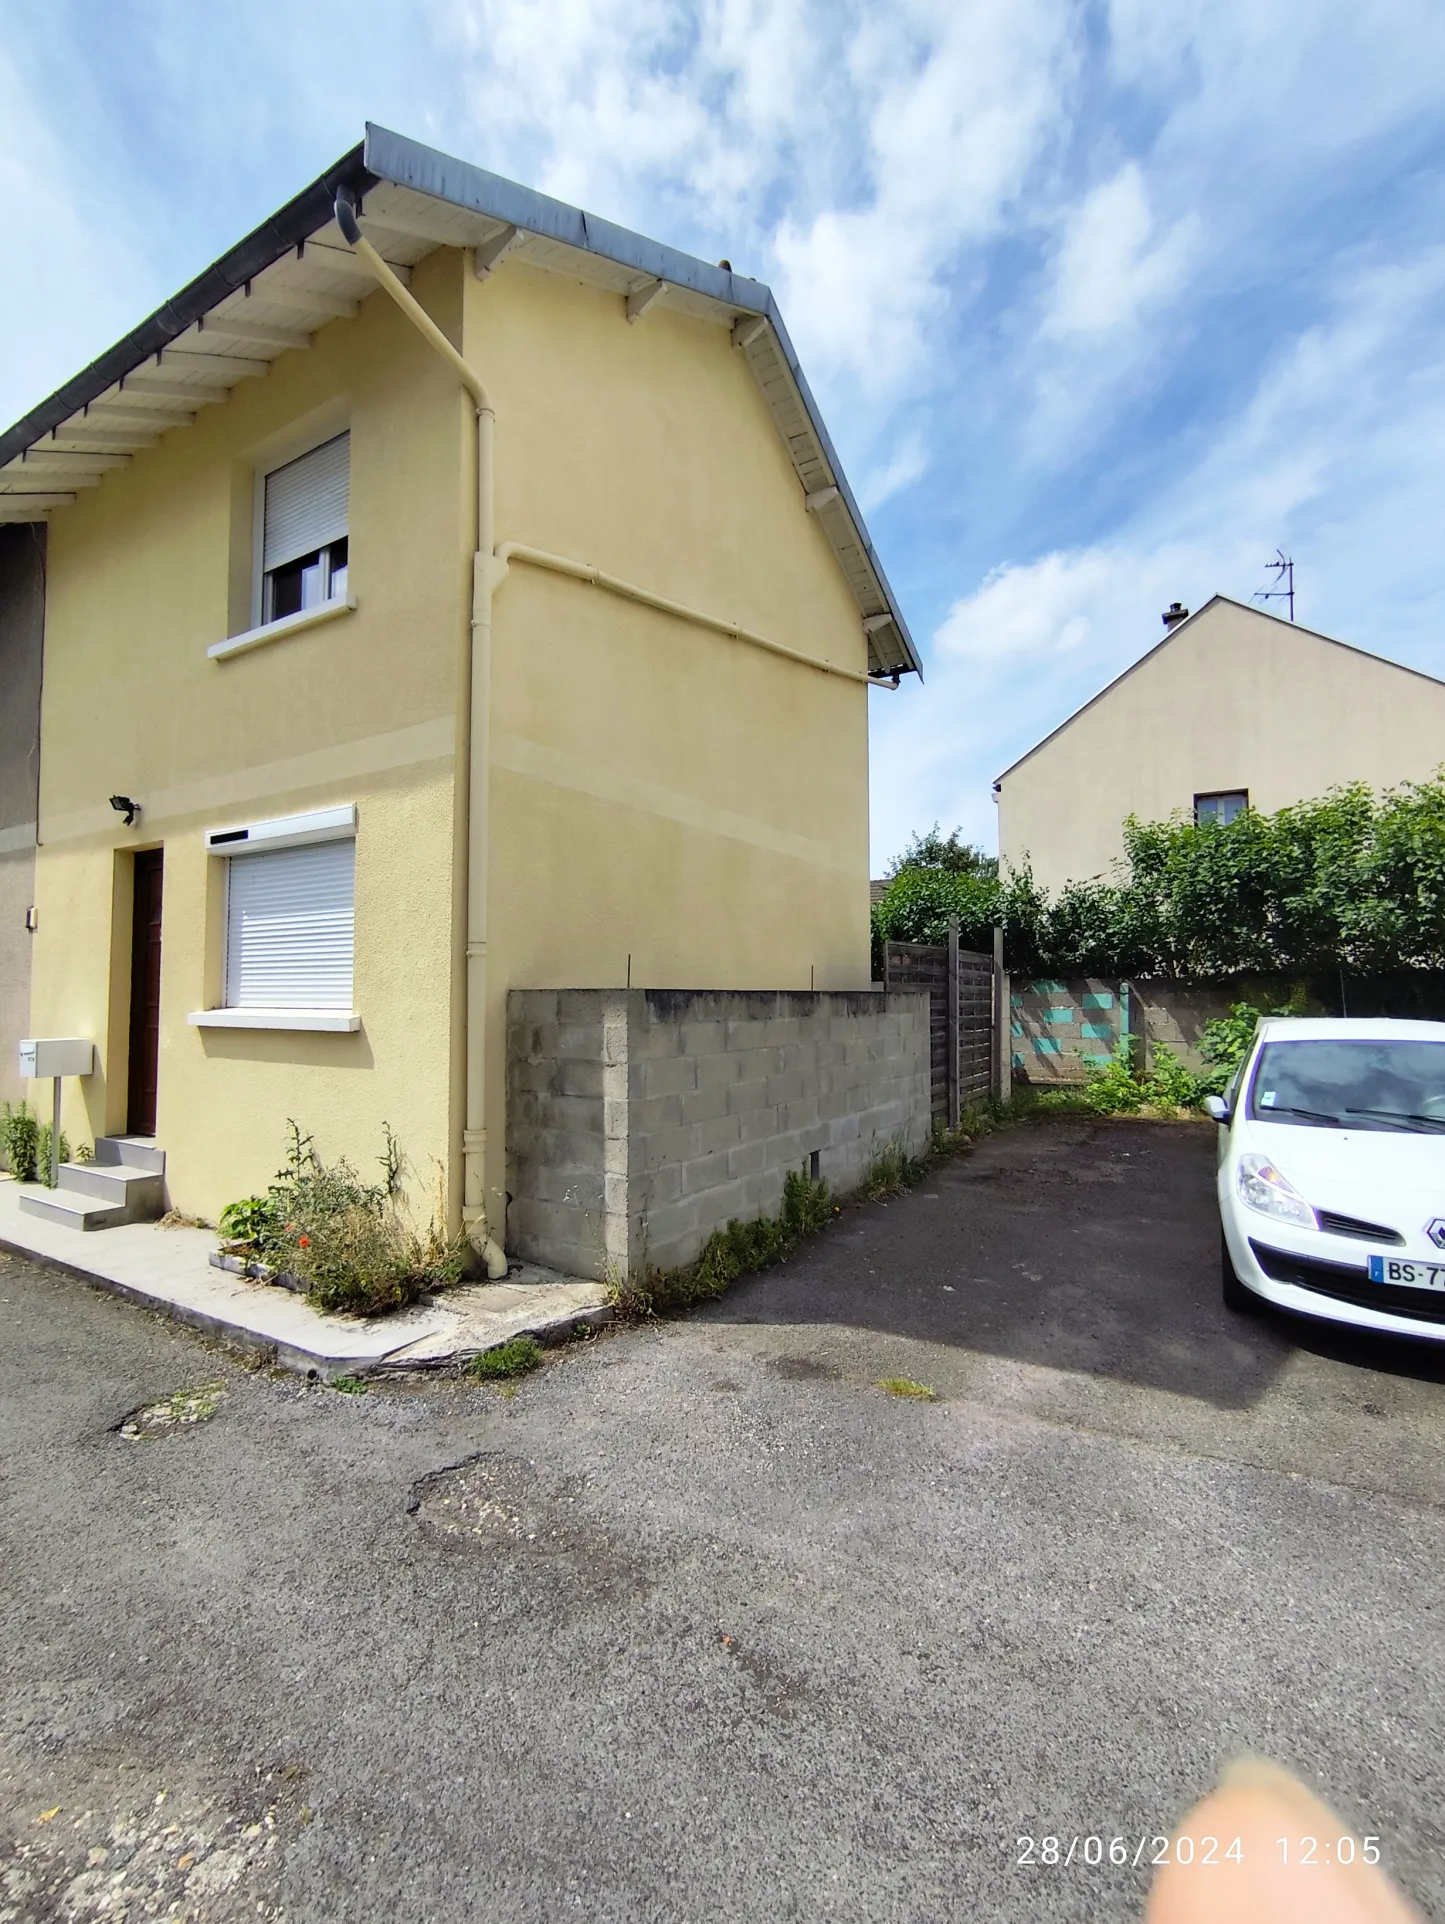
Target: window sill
[(325, 1021), (279, 630)]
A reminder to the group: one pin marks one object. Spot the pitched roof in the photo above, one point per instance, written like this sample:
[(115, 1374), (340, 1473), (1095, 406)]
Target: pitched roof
[(1265, 614), (295, 272)]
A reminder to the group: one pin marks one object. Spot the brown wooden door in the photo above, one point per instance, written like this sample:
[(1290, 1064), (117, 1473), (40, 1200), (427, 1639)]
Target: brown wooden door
[(145, 995)]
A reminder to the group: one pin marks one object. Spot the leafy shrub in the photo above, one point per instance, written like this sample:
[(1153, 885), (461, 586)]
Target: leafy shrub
[(1227, 1038), (1112, 1088), (349, 1242), (255, 1220), (1347, 880), (1169, 1084), (367, 1259), (42, 1153), (19, 1138)]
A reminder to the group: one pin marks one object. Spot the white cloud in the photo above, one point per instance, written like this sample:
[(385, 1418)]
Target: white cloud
[(1112, 266), (906, 464), (1331, 454), (958, 104), (1143, 289)]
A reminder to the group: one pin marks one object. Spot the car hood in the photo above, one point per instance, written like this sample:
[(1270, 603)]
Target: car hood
[(1360, 1171)]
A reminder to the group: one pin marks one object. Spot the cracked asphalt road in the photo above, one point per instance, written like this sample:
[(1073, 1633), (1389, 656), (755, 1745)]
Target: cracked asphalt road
[(701, 1623)]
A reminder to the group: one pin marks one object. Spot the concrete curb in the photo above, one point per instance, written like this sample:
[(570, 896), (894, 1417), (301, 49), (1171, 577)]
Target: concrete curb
[(452, 1328)]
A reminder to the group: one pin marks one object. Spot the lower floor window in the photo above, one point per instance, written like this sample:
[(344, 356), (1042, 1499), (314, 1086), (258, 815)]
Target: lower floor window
[(307, 582), (1222, 807), (290, 916)]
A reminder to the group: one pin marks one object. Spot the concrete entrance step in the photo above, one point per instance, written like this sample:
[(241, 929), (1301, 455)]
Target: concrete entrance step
[(131, 1152), (124, 1184), (72, 1211)]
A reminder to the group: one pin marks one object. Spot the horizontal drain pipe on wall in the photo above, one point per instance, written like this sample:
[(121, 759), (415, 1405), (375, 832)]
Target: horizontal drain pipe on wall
[(474, 760), (510, 551)]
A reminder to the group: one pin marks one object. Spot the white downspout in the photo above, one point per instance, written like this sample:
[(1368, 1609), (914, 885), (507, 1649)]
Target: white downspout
[(477, 759)]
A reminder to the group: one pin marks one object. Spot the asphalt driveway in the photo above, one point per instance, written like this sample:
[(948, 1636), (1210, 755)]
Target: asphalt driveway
[(701, 1623)]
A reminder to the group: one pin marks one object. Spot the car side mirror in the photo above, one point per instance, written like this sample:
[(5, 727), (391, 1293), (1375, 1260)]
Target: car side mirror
[(1217, 1108)]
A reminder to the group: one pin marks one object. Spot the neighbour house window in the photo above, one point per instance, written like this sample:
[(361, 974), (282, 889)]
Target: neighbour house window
[(1221, 808), (289, 927), (304, 528)]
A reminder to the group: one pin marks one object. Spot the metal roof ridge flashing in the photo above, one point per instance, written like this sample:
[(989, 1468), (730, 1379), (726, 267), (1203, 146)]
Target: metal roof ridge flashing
[(426, 170)]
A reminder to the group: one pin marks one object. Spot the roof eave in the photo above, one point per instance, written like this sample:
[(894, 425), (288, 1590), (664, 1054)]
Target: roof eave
[(263, 246)]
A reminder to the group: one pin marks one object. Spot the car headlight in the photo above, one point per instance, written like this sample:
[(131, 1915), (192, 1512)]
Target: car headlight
[(1262, 1187)]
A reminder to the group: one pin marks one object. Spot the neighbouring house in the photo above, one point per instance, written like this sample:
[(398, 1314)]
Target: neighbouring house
[(22, 626), (519, 639), (1233, 708)]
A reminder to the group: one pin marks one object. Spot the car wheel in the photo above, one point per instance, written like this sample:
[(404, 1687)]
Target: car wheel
[(1236, 1296)]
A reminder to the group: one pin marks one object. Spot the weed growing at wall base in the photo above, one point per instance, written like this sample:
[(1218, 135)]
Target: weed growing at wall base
[(515, 1358), (729, 1253), (351, 1243), (809, 1206)]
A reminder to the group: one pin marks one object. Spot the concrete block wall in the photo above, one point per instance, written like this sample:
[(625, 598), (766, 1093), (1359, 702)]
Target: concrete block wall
[(641, 1120), (1058, 1030)]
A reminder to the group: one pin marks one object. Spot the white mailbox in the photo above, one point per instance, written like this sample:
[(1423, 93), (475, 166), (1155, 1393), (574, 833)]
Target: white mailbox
[(56, 1056)]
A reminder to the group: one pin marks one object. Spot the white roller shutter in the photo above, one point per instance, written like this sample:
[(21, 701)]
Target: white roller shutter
[(289, 921), (306, 503)]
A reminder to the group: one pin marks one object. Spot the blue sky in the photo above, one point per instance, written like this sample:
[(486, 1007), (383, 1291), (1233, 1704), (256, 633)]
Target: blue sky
[(1103, 300)]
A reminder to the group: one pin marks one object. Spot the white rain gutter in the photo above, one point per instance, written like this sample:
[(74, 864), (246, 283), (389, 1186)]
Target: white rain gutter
[(474, 766), (511, 551)]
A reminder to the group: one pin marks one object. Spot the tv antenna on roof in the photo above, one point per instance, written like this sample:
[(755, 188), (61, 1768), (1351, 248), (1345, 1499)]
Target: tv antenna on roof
[(1283, 571)]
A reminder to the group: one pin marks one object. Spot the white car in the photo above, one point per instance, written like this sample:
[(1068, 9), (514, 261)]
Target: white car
[(1332, 1173)]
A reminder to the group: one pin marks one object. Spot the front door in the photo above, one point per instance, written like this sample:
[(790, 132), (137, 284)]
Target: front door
[(145, 995)]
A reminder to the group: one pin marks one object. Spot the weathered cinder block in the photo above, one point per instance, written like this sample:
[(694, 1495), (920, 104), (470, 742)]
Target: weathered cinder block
[(678, 1144), (747, 1098), (718, 1071), (747, 1159), (653, 1113), (703, 1038), (641, 1120), (670, 1076), (784, 1089), (704, 1105)]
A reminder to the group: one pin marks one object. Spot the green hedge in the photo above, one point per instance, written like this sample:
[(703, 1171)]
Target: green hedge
[(1347, 882)]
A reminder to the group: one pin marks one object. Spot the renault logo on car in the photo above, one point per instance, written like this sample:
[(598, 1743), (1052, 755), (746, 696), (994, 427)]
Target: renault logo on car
[(1436, 1232)]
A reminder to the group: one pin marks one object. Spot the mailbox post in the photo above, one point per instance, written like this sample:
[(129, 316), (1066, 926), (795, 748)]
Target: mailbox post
[(55, 1056)]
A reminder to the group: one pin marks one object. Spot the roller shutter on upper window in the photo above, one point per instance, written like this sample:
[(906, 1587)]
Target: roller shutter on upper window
[(289, 927), (306, 503)]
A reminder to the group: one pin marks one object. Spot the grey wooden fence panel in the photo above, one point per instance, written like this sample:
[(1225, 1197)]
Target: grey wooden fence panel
[(961, 1018)]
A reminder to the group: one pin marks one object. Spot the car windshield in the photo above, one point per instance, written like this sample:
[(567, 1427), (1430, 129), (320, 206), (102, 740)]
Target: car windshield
[(1351, 1084)]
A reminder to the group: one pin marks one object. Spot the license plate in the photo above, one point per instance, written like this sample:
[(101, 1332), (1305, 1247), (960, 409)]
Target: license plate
[(1389, 1269)]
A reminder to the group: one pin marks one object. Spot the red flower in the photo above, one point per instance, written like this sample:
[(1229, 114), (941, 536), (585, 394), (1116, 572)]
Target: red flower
[(305, 1242)]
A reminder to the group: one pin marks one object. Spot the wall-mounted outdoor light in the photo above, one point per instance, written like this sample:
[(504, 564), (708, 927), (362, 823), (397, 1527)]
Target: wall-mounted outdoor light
[(123, 805)]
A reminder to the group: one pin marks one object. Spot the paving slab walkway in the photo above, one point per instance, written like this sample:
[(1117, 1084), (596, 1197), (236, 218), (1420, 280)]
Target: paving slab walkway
[(169, 1270)]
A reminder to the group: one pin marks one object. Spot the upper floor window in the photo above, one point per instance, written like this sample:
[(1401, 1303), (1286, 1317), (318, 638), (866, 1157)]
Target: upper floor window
[(304, 532), (1221, 808)]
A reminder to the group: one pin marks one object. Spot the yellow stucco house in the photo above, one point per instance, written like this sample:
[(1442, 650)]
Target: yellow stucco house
[(1235, 707), (459, 594)]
